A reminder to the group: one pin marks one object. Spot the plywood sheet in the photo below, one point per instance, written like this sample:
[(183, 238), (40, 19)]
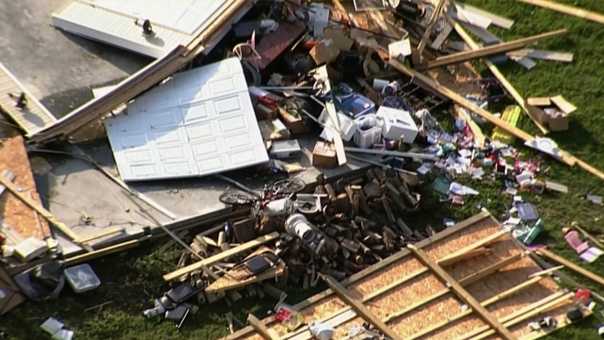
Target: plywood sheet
[(16, 215)]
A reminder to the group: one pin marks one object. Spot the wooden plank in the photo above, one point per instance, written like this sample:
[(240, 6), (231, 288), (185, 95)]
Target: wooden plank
[(479, 275), (358, 306), (106, 232), (39, 209), (564, 57), (565, 9), (497, 20), (102, 252), (539, 101), (563, 104), (260, 327), (460, 57), (459, 254), (486, 303), (546, 271), (221, 256), (462, 293), (592, 276), (433, 20), (428, 82), (529, 110)]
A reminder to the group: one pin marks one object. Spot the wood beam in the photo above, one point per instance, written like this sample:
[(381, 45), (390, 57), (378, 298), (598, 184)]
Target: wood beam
[(530, 111), (40, 209), (460, 57), (577, 269), (477, 276), (221, 256), (433, 20), (462, 293), (565, 9), (461, 253), (358, 307), (260, 327), (431, 84)]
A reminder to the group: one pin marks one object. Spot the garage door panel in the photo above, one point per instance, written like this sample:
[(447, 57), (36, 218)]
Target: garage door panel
[(190, 136)]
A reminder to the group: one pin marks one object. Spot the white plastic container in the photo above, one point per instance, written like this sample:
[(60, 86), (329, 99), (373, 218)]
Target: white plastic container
[(397, 124), (82, 278)]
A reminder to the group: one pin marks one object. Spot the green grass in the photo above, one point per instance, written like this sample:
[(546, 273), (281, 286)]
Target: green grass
[(132, 280)]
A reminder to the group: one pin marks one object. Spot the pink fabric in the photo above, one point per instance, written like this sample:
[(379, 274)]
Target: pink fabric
[(574, 240)]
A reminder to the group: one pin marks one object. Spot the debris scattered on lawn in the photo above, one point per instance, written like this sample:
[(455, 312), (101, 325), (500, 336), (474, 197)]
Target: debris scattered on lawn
[(348, 140)]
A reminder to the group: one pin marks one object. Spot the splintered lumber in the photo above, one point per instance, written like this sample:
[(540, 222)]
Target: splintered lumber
[(39, 209), (529, 110), (485, 303), (239, 276), (462, 293), (592, 276), (358, 307), (431, 84), (221, 256), (433, 20), (490, 50), (260, 327), (570, 10)]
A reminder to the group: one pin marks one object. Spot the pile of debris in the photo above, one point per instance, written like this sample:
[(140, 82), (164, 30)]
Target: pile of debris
[(343, 103)]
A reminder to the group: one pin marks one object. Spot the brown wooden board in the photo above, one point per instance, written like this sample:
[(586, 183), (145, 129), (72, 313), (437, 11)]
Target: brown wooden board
[(16, 215), (327, 306)]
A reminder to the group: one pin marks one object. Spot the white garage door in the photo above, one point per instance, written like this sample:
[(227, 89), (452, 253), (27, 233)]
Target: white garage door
[(200, 122), (113, 21)]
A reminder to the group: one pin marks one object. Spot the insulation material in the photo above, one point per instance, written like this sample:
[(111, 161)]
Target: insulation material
[(199, 122), (119, 23)]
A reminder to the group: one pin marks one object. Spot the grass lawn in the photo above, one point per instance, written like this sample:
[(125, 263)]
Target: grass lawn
[(132, 280)]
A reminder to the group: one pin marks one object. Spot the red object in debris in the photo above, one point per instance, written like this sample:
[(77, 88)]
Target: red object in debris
[(283, 314), (583, 295), (274, 44)]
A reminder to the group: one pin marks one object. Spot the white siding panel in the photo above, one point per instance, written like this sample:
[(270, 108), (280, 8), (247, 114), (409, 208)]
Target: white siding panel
[(200, 122)]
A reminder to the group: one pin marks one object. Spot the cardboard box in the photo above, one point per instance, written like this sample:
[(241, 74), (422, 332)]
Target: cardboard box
[(324, 155)]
